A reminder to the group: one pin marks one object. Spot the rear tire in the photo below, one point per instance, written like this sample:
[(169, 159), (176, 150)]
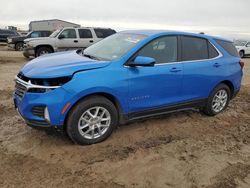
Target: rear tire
[(242, 54), (42, 51), (218, 100), (92, 120)]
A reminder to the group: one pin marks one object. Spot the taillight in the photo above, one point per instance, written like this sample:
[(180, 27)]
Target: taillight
[(242, 64)]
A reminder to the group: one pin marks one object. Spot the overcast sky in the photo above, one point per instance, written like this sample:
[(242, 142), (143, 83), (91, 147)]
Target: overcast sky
[(229, 18)]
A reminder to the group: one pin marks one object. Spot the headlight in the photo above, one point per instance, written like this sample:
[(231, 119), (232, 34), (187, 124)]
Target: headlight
[(46, 85), (29, 45), (9, 40), (41, 85)]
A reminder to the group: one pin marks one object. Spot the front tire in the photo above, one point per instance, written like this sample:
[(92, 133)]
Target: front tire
[(92, 120), (42, 51), (19, 46), (242, 54), (218, 100)]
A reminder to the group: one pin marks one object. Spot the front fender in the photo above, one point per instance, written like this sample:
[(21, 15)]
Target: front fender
[(112, 81)]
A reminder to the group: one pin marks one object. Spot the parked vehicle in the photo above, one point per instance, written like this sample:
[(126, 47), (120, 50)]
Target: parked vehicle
[(243, 47), (125, 77), (4, 33), (64, 39), (17, 42)]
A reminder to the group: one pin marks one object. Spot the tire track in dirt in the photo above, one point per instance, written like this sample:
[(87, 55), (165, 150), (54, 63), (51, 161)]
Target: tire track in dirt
[(228, 177)]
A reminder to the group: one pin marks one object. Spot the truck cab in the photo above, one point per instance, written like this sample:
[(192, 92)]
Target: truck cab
[(68, 38)]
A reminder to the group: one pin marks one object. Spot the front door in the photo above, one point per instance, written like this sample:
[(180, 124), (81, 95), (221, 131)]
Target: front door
[(67, 40), (160, 85)]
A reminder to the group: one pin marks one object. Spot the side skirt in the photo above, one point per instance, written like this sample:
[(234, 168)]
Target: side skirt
[(163, 110)]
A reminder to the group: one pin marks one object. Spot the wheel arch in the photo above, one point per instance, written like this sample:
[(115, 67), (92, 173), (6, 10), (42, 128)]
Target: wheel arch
[(230, 85), (108, 96), (44, 45), (18, 42)]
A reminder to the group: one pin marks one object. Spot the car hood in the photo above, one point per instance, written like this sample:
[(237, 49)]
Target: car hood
[(59, 65), (38, 38), (17, 37)]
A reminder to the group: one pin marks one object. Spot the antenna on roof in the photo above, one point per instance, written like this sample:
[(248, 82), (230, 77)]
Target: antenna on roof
[(202, 33)]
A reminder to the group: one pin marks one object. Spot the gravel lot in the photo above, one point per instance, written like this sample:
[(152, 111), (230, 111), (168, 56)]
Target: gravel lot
[(185, 149)]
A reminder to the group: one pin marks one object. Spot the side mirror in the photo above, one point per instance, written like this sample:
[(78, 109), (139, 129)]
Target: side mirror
[(143, 61), (61, 37)]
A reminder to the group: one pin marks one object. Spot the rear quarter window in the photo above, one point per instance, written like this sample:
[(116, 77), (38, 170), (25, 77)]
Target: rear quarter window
[(212, 51), (103, 33), (229, 47)]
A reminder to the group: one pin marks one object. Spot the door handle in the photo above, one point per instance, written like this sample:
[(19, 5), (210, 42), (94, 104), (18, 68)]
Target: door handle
[(174, 69), (75, 41), (217, 65), (91, 41)]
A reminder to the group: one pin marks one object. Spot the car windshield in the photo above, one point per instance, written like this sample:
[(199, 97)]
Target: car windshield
[(113, 47), (28, 33), (240, 43), (55, 33)]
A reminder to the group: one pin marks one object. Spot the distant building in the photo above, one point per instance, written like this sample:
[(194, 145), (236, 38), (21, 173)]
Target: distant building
[(12, 28), (50, 25)]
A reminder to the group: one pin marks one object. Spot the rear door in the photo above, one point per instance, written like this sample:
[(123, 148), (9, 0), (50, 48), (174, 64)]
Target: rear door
[(201, 67), (86, 38)]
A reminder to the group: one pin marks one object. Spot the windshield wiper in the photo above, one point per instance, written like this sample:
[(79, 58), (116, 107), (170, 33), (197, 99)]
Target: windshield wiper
[(91, 56)]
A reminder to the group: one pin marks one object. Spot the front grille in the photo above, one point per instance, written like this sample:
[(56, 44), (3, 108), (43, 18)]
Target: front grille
[(20, 89), (38, 111)]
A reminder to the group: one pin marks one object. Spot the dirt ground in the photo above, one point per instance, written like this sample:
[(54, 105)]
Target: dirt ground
[(185, 149)]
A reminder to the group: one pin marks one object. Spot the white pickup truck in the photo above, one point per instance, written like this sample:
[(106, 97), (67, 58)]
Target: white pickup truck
[(243, 47), (68, 38)]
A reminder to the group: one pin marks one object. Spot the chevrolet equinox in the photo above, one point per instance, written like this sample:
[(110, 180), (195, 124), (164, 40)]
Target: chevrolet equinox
[(125, 77)]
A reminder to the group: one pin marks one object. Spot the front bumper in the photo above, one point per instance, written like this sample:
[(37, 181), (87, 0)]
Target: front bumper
[(28, 52), (53, 100), (10, 45)]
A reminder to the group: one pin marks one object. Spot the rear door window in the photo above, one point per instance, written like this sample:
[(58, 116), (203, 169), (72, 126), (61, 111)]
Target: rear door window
[(194, 48), (103, 33), (229, 47), (85, 33)]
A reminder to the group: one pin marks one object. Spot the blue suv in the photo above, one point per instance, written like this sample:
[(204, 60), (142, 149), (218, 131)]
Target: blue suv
[(127, 76)]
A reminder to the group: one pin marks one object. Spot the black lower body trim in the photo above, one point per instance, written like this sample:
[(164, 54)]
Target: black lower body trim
[(35, 123), (165, 110)]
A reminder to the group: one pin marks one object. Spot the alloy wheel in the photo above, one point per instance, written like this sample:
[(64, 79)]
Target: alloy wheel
[(219, 100), (94, 122)]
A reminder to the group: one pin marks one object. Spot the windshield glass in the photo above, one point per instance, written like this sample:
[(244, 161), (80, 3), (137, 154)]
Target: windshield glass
[(240, 43), (113, 47), (28, 34), (55, 33)]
